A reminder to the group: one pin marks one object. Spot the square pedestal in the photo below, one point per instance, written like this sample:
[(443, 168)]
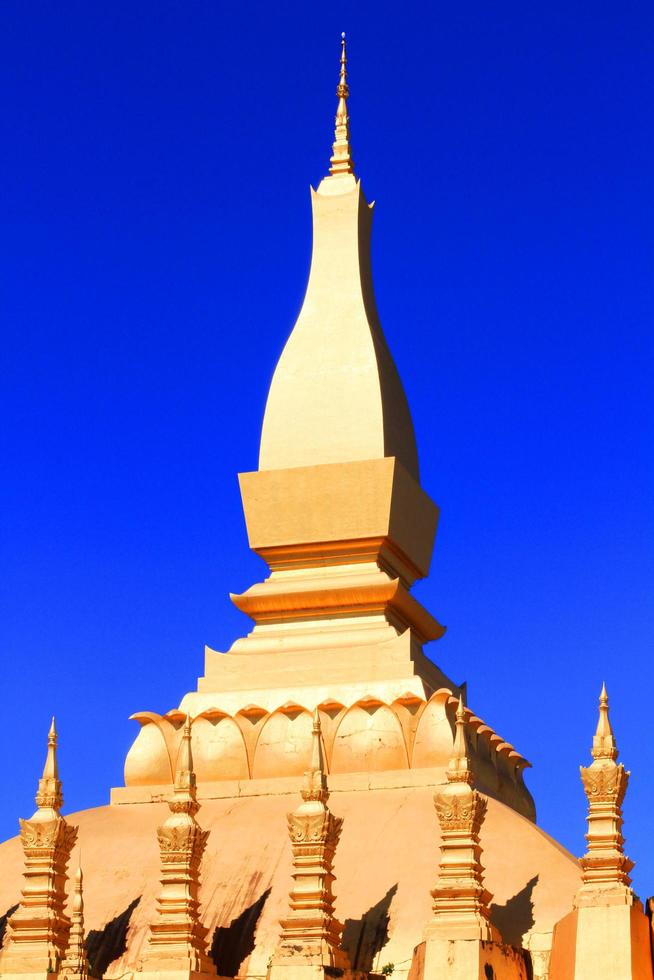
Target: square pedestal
[(466, 959), (306, 967), (602, 942)]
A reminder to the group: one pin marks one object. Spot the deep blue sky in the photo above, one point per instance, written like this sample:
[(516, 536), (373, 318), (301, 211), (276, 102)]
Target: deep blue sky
[(155, 234)]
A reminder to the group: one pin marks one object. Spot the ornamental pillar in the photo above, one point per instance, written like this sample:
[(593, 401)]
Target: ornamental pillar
[(310, 935), (39, 928), (176, 947), (607, 934)]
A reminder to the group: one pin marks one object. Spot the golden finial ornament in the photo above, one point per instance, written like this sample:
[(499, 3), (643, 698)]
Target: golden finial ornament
[(604, 743), (177, 944), (185, 785), (39, 927), (49, 793), (76, 965), (605, 866), (343, 91), (458, 769), (315, 780), (310, 932), (461, 901), (341, 161)]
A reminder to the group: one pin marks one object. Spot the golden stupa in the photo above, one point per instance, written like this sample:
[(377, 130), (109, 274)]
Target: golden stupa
[(326, 803)]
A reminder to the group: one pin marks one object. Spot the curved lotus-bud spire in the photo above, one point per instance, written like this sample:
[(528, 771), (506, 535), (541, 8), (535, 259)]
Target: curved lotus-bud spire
[(341, 161), (49, 794), (315, 781), (604, 743), (336, 396)]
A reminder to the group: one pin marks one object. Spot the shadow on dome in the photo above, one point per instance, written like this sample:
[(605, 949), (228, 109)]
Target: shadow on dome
[(364, 938), (4, 919), (103, 946), (516, 917), (231, 944)]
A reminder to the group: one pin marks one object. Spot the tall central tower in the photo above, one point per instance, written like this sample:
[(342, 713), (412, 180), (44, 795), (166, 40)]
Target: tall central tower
[(337, 512), (336, 508)]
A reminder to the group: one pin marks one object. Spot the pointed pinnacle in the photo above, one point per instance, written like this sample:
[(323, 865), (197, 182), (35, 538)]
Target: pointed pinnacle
[(185, 781), (604, 744), (459, 752), (50, 769), (459, 765), (341, 161), (342, 90), (185, 755), (603, 723), (48, 794), (315, 781), (316, 745)]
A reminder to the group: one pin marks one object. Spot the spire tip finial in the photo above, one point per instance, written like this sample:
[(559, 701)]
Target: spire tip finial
[(458, 769), (185, 781), (315, 782), (48, 794), (604, 743), (341, 162)]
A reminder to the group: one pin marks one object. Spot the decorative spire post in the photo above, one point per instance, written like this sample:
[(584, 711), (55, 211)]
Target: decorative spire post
[(461, 901), (605, 866), (460, 939), (341, 161), (607, 933), (177, 940), (311, 934), (38, 930), (76, 965)]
